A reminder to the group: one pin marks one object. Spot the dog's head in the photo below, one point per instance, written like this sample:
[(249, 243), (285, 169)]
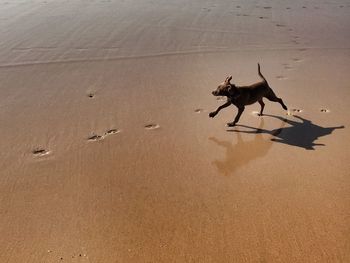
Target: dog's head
[(225, 88)]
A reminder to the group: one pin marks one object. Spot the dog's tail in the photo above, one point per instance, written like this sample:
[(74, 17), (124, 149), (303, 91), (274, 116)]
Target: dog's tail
[(261, 75)]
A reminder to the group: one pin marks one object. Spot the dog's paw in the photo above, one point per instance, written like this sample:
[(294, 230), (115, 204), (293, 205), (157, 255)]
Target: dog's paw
[(212, 114), (231, 124)]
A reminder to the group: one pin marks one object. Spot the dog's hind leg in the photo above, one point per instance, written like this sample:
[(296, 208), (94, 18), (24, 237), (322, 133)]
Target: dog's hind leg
[(240, 111), (272, 97), (262, 104)]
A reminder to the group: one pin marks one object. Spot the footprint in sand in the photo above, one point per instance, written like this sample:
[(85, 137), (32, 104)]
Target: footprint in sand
[(288, 8), (325, 110), (40, 152), (80, 255), (91, 95), (151, 126), (255, 113), (297, 60), (95, 137), (281, 77), (304, 7), (112, 131), (293, 111), (238, 6), (198, 110), (221, 98), (280, 25), (263, 17), (287, 66)]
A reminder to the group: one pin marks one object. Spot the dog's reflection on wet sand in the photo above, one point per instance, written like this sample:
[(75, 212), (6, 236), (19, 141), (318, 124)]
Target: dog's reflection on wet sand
[(242, 152)]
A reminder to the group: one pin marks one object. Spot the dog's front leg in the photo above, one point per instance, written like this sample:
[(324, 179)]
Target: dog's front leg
[(240, 111), (213, 114)]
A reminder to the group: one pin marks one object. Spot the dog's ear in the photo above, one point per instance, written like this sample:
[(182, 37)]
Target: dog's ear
[(228, 79)]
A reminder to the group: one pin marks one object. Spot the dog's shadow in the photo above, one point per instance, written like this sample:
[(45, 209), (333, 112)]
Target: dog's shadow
[(301, 134)]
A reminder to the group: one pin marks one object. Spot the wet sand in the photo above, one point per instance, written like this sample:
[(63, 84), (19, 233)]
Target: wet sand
[(108, 153)]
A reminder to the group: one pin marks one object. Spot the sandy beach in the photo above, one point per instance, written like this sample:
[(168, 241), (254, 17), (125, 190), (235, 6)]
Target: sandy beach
[(108, 154)]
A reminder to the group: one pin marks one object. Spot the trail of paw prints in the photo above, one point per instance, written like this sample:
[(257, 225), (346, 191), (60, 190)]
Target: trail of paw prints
[(96, 137), (67, 258), (296, 110), (293, 111), (242, 15)]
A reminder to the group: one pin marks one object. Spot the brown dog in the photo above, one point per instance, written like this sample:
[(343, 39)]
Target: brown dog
[(245, 95)]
